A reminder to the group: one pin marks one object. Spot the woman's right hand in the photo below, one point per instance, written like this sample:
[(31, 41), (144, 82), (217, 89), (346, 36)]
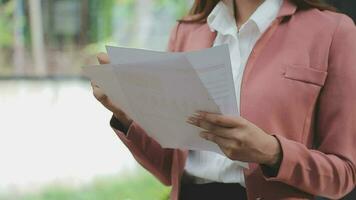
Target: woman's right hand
[(105, 100)]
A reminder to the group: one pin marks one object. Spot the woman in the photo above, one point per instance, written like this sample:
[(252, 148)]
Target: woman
[(294, 62)]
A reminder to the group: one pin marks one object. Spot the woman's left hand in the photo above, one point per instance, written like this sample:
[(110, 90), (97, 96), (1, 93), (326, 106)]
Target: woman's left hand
[(238, 138)]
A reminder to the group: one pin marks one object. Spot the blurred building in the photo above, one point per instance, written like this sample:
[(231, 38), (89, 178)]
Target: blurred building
[(58, 37)]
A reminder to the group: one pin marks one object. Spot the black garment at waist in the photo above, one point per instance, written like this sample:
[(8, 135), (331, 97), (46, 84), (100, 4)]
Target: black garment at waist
[(212, 191)]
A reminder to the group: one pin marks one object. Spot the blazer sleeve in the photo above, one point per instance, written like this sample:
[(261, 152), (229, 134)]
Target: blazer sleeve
[(330, 169), (145, 149)]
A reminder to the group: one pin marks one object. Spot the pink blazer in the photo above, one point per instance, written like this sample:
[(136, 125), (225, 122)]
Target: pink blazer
[(299, 85)]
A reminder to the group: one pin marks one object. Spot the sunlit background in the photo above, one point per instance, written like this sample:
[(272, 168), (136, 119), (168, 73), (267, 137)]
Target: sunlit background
[(55, 139)]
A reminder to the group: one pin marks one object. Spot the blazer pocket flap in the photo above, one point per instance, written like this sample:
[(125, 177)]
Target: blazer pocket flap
[(304, 74)]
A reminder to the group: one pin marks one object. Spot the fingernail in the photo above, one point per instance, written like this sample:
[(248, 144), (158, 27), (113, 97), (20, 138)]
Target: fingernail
[(198, 115), (190, 120)]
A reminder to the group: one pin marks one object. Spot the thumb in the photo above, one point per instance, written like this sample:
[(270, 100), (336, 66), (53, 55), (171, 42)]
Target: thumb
[(103, 58)]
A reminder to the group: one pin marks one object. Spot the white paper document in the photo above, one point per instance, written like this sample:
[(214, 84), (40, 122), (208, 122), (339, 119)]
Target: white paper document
[(160, 90), (212, 65)]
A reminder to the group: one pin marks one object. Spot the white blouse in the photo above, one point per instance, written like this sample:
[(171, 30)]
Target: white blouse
[(204, 166)]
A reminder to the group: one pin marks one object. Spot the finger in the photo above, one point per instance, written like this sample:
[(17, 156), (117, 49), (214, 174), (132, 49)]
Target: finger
[(103, 58), (105, 100), (221, 141), (99, 94), (218, 119), (202, 124), (93, 84), (223, 132)]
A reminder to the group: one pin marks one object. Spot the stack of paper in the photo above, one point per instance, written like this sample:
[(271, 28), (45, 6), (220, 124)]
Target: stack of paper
[(159, 90)]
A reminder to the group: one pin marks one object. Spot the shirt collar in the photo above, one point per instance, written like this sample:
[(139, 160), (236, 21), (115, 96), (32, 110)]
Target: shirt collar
[(222, 20), (266, 13)]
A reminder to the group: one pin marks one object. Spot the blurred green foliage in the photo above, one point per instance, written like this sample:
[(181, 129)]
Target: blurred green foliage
[(6, 26), (96, 23), (100, 18), (180, 6), (138, 186), (102, 14)]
